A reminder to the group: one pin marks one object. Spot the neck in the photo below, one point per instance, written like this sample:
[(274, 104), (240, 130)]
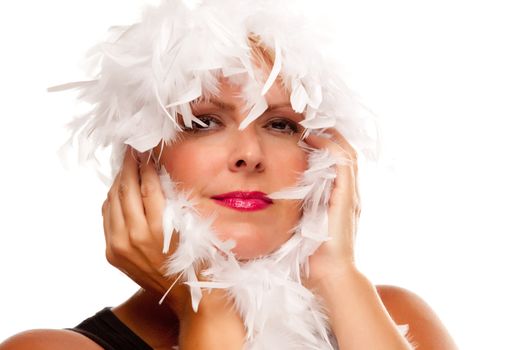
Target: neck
[(156, 324)]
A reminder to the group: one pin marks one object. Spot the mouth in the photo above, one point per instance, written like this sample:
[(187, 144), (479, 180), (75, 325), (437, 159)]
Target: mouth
[(243, 201)]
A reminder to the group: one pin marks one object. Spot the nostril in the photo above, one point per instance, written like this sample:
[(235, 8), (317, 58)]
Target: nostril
[(240, 163)]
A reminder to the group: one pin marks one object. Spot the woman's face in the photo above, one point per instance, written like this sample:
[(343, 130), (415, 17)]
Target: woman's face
[(229, 172)]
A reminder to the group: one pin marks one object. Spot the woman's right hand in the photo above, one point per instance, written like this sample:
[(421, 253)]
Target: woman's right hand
[(134, 240), (132, 216)]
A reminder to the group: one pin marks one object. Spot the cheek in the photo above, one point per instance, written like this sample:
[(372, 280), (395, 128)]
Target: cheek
[(189, 166), (290, 166)]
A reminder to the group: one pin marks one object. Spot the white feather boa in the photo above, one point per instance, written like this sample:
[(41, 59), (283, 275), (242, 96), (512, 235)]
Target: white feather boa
[(277, 310)]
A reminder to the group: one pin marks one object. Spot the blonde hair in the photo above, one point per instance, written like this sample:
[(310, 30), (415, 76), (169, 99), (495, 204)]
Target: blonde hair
[(262, 54)]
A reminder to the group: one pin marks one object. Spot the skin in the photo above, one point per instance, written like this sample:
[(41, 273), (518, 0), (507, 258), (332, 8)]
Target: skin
[(362, 316)]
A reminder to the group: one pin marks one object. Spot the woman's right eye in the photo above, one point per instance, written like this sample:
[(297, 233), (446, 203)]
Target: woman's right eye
[(211, 123)]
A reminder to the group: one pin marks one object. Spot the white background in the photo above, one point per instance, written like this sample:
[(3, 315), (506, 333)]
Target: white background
[(443, 218)]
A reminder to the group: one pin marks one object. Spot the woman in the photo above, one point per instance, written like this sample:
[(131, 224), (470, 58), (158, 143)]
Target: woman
[(235, 204)]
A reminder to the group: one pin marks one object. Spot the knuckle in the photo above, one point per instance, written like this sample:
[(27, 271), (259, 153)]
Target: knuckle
[(115, 258), (351, 155), (114, 186), (156, 227), (110, 257), (118, 249), (111, 196), (137, 238), (123, 190), (147, 188), (357, 205)]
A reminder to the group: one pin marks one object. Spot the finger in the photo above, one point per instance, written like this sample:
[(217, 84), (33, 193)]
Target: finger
[(152, 196), (131, 199), (342, 151), (351, 154), (345, 193), (114, 217), (343, 147), (115, 230), (105, 218)]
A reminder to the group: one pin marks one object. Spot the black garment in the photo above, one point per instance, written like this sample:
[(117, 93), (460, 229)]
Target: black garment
[(105, 329)]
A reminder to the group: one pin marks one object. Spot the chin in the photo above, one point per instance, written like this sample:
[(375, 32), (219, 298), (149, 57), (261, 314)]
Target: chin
[(250, 244)]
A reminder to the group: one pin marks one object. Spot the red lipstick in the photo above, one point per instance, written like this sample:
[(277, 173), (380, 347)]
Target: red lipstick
[(243, 201)]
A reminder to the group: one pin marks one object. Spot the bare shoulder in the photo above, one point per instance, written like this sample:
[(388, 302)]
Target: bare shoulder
[(48, 339), (426, 331)]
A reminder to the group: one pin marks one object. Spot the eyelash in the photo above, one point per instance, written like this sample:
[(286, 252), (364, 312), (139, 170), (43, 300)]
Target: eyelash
[(290, 127), (293, 126), (207, 119)]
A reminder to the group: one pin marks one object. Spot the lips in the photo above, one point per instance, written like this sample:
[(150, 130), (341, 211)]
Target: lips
[(243, 201)]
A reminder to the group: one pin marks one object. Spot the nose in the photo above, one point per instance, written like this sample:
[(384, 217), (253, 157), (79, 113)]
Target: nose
[(247, 152)]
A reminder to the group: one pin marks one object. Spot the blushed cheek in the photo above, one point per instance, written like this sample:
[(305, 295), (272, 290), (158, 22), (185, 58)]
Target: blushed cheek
[(185, 164), (293, 167)]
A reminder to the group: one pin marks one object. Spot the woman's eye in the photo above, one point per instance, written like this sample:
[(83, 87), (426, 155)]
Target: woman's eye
[(284, 126), (210, 122)]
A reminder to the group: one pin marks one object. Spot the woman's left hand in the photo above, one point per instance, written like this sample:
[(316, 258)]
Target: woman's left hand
[(357, 315), (336, 256)]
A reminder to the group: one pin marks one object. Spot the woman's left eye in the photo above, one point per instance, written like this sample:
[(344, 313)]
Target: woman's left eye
[(283, 125)]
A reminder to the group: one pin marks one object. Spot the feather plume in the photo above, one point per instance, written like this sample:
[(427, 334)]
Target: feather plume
[(275, 69), (260, 106), (299, 97)]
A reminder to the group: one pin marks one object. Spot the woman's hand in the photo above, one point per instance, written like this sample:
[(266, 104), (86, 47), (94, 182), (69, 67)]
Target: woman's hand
[(355, 311), (336, 256), (132, 216), (134, 240)]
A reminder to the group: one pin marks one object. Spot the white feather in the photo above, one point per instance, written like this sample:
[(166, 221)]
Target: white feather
[(193, 92), (72, 85), (229, 71), (260, 106), (299, 97), (291, 193), (315, 95), (161, 104), (319, 122), (275, 69)]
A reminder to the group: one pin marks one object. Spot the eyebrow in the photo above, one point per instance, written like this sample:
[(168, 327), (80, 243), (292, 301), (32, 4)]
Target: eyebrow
[(217, 103), (279, 105), (230, 107)]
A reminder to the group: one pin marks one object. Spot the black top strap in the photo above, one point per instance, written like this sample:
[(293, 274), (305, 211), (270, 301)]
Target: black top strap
[(105, 329)]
